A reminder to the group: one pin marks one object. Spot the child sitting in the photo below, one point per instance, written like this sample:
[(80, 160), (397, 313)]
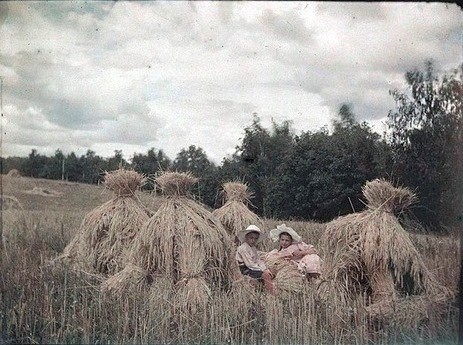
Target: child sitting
[(291, 247), (248, 260)]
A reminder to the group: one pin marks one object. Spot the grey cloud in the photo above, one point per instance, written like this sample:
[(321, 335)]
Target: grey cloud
[(74, 114), (230, 111), (353, 11), (3, 12), (95, 85), (226, 11), (288, 25)]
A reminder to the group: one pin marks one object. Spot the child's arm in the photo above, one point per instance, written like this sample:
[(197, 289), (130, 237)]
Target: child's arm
[(247, 258), (302, 251)]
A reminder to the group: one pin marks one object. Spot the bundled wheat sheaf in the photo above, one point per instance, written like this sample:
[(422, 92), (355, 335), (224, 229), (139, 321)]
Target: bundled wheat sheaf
[(234, 214), (288, 280), (183, 243), (372, 248), (9, 202), (13, 173), (108, 231)]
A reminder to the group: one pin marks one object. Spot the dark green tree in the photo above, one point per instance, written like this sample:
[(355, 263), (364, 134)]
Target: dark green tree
[(34, 165), (72, 168), (116, 162), (150, 164), (346, 117), (322, 176), (93, 167), (426, 137), (54, 167), (195, 160), (10, 163), (261, 152)]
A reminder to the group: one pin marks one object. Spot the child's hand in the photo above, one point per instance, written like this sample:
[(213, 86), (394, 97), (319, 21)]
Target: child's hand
[(312, 250)]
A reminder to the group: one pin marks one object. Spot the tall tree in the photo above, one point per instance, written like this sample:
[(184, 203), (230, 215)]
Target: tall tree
[(54, 169), (195, 160), (34, 165), (150, 163), (322, 176), (261, 152), (116, 162), (346, 117), (426, 136), (72, 168), (93, 167)]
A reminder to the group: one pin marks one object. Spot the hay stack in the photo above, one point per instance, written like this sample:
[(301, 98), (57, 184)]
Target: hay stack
[(234, 214), (13, 173), (108, 231), (288, 280), (131, 278), (183, 242), (376, 249), (9, 202)]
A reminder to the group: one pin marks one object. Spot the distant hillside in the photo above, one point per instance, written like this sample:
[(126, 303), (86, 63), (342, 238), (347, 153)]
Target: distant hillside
[(50, 195)]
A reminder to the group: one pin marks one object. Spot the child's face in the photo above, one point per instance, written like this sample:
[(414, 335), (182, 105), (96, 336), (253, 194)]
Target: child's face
[(285, 241), (251, 238)]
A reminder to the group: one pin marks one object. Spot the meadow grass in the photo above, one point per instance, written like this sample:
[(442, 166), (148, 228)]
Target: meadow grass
[(42, 304)]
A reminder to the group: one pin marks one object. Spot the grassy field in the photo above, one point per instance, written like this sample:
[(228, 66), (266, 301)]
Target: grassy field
[(40, 304)]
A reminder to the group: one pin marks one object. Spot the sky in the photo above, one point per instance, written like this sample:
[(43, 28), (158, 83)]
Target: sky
[(129, 76)]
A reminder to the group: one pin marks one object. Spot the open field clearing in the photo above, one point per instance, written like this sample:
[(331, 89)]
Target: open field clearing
[(43, 303)]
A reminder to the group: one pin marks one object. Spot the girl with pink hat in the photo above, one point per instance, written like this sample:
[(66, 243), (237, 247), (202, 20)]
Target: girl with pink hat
[(291, 247)]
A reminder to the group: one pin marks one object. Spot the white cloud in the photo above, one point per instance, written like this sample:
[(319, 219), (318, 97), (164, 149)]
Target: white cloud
[(132, 75)]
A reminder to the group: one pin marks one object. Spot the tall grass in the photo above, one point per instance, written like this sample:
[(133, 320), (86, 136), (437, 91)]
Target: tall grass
[(40, 304)]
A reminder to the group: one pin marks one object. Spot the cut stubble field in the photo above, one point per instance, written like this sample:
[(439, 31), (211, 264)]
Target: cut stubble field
[(41, 303)]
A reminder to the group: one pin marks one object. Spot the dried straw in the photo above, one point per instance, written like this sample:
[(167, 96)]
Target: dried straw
[(374, 245), (381, 195), (288, 280), (124, 183), (108, 231), (176, 183), (234, 214), (192, 294), (182, 241), (9, 202), (13, 173), (410, 312), (131, 279)]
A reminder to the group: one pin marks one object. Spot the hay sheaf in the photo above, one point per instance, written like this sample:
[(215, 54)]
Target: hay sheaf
[(382, 195), (183, 241), (130, 280), (411, 312), (175, 183), (13, 173), (371, 252), (192, 295), (9, 202), (124, 182), (287, 278), (43, 192), (234, 214), (107, 232)]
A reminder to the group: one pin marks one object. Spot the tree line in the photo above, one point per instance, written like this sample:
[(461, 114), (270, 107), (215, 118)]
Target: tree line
[(316, 175)]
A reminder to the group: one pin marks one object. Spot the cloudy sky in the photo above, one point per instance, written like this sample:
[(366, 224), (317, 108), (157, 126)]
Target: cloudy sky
[(134, 75)]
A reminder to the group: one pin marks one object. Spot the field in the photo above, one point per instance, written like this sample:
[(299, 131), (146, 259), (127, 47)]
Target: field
[(40, 304)]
